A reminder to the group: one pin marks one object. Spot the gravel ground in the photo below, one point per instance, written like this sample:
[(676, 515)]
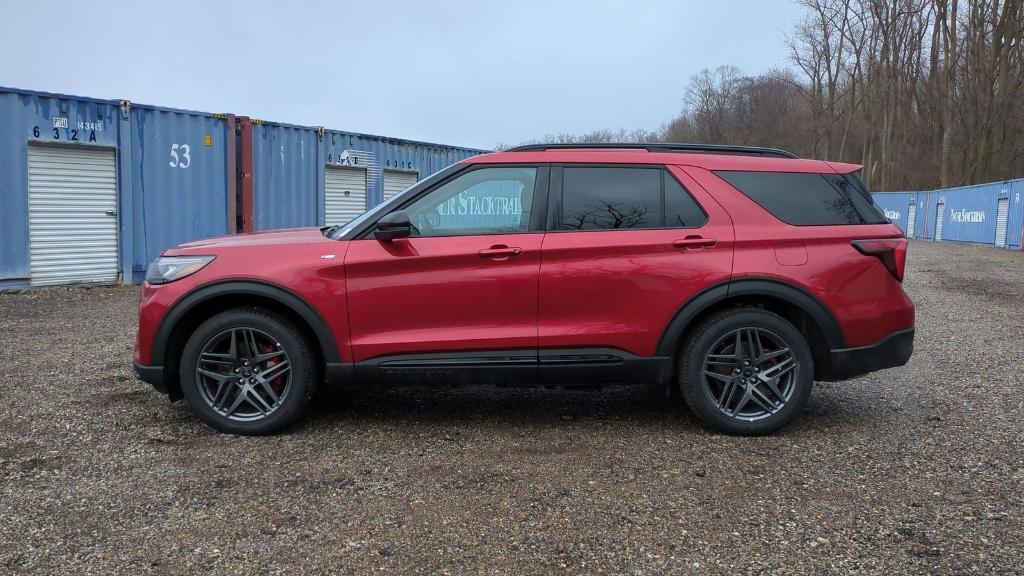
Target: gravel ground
[(918, 469)]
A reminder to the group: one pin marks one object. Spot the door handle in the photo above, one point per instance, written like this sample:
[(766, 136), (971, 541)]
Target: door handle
[(695, 243), (500, 252), (111, 212)]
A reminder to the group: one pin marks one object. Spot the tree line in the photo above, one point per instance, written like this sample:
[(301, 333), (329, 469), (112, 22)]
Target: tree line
[(923, 93)]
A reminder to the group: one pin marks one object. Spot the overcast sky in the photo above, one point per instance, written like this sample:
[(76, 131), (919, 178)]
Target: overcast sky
[(458, 72)]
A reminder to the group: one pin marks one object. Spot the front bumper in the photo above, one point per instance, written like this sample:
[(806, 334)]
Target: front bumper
[(153, 375), (889, 352)]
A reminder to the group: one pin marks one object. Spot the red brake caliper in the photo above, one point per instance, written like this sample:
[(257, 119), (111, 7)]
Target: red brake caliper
[(277, 383)]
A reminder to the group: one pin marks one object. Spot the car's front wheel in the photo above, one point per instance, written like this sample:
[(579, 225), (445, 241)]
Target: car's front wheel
[(247, 371), (746, 371)]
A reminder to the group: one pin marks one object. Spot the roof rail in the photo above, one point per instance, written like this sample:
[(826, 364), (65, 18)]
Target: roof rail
[(664, 147)]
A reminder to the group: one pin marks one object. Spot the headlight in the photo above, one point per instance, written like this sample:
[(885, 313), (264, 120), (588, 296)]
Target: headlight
[(170, 268)]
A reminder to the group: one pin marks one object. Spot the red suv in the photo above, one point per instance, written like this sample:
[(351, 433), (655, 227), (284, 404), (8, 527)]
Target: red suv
[(733, 276)]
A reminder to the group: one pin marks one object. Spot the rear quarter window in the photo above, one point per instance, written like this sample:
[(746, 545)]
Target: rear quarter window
[(796, 198), (861, 198)]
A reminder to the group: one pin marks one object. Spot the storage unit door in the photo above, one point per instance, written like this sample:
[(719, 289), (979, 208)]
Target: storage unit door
[(911, 219), (344, 194), (72, 205), (1002, 217), (395, 181), (939, 211)]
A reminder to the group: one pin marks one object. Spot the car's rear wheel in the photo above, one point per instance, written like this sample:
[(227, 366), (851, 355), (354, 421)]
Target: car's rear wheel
[(746, 371), (247, 371)]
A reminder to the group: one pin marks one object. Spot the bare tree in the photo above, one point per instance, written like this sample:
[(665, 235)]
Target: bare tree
[(923, 93)]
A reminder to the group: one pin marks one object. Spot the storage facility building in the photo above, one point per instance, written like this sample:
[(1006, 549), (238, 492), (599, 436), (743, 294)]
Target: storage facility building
[(92, 190), (991, 214)]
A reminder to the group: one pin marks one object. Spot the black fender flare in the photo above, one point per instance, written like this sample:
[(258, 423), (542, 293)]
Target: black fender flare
[(751, 287), (279, 294)]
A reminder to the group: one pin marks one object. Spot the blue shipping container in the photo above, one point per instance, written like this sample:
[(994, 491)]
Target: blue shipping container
[(978, 214), (289, 163), (170, 168), (898, 207), (178, 162), (287, 175), (40, 119)]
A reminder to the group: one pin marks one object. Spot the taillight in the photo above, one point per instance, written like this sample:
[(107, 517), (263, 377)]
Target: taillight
[(892, 252)]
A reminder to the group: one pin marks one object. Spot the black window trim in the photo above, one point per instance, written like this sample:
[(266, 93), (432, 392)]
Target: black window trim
[(844, 194), (555, 188), (538, 211)]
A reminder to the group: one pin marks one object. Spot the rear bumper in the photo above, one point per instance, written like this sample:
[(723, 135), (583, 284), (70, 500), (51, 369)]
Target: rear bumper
[(153, 375), (889, 352)]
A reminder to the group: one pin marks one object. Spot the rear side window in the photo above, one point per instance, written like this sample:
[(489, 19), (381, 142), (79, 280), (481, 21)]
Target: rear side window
[(797, 199), (681, 210), (861, 198), (600, 198)]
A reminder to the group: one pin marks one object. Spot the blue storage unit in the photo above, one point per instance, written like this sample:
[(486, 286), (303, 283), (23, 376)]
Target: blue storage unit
[(1014, 192), (292, 169), (42, 120), (900, 207), (991, 213), (179, 166), (147, 178), (170, 169), (379, 153), (287, 173), (971, 213)]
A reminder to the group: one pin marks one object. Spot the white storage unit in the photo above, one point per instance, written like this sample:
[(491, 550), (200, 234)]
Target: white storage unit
[(940, 211), (344, 194), (395, 181), (1002, 218), (72, 205), (911, 219)]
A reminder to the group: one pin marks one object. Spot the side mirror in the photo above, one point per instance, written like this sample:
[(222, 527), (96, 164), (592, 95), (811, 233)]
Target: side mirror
[(393, 225)]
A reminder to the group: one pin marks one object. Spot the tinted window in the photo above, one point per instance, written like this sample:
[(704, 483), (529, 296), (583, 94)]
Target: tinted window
[(485, 201), (798, 199), (681, 210), (610, 198), (625, 198), (862, 199)]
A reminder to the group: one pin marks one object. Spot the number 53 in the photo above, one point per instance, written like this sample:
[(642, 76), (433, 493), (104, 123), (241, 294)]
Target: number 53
[(185, 160)]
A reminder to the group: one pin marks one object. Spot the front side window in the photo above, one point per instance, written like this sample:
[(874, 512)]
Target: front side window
[(486, 201), (600, 198)]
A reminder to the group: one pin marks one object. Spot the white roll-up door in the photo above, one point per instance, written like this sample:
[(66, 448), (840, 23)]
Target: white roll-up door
[(1002, 217), (344, 194), (395, 181), (939, 217), (911, 219), (72, 206)]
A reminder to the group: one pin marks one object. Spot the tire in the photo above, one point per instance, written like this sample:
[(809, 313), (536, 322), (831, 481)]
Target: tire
[(272, 398), (775, 389)]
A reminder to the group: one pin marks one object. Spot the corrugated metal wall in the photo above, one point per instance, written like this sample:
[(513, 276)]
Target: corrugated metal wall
[(968, 213), (38, 118), (178, 171), (897, 207), (289, 163), (287, 176), (179, 180)]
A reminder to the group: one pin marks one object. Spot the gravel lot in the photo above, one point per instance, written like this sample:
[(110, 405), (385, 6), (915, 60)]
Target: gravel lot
[(918, 469)]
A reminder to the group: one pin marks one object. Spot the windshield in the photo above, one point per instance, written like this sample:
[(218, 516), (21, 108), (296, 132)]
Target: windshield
[(339, 232)]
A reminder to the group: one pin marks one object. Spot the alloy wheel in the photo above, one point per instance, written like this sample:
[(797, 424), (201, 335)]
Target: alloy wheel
[(750, 374), (244, 374)]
